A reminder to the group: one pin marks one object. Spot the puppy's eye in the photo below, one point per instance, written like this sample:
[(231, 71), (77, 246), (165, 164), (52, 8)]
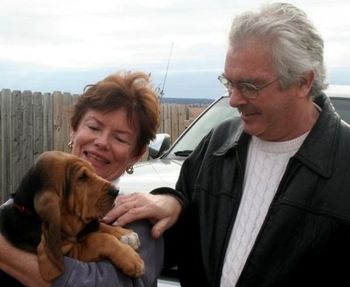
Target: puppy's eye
[(83, 176)]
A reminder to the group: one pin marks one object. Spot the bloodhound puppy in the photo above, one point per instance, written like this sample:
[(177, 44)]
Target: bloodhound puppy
[(56, 212)]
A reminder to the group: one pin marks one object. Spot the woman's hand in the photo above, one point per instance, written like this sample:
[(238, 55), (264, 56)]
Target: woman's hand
[(20, 264), (162, 210)]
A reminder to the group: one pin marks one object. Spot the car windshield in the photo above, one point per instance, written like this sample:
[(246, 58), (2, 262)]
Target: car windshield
[(213, 116)]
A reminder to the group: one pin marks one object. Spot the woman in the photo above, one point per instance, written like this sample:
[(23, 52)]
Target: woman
[(112, 123)]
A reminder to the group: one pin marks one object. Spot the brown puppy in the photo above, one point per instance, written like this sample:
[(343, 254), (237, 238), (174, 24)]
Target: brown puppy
[(56, 212)]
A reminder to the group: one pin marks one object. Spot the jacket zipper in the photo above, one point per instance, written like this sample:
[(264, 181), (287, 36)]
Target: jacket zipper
[(233, 217)]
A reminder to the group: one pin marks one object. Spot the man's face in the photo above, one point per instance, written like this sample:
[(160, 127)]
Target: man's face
[(273, 114)]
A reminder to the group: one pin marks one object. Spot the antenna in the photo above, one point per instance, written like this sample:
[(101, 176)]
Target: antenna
[(161, 92)]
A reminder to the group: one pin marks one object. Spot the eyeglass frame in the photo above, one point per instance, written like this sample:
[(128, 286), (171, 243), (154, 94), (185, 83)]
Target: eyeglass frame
[(241, 85)]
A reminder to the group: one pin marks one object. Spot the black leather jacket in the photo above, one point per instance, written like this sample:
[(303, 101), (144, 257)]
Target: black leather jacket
[(305, 238)]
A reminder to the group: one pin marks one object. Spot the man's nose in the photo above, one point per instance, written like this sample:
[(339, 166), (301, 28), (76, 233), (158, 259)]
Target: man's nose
[(236, 98)]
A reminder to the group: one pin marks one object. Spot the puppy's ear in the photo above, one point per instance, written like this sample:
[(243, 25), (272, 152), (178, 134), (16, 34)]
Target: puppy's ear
[(50, 257)]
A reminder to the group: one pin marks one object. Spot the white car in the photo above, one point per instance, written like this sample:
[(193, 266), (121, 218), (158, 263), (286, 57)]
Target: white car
[(164, 169)]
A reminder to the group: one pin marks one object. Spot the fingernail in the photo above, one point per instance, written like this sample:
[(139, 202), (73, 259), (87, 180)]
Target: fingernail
[(115, 223)]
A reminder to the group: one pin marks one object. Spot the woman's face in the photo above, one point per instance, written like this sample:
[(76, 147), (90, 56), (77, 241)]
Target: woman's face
[(107, 141)]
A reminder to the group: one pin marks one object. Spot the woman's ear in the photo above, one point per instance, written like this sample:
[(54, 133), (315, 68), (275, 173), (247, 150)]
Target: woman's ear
[(138, 156), (71, 136), (71, 140)]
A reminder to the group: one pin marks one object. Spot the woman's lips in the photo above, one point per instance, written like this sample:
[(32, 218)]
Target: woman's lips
[(95, 158)]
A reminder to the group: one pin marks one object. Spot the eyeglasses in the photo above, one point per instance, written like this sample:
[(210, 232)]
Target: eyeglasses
[(248, 90)]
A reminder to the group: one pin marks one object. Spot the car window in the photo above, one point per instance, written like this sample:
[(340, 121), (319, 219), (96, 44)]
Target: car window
[(342, 106), (214, 115)]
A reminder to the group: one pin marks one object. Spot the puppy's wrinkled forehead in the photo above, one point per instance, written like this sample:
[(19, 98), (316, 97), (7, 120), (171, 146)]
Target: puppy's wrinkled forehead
[(61, 166)]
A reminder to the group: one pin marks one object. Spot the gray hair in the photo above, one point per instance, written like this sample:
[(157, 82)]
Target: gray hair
[(296, 45)]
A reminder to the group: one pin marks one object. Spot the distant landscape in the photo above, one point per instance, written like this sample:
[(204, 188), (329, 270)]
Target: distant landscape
[(187, 101)]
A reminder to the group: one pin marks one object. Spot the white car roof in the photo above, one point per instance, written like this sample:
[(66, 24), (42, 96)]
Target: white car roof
[(338, 91)]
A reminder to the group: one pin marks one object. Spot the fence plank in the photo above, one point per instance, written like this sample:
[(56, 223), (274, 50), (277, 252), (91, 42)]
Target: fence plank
[(1, 147), (5, 143), (16, 139), (58, 136), (48, 117), (182, 118), (27, 132), (167, 120), (39, 125), (174, 121), (67, 103)]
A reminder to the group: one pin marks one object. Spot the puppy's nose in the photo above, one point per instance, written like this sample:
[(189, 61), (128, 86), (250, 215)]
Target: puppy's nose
[(113, 191)]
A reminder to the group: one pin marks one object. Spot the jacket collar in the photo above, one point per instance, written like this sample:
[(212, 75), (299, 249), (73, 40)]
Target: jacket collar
[(318, 149), (233, 140)]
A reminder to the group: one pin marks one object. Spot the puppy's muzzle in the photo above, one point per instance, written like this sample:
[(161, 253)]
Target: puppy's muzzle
[(112, 191)]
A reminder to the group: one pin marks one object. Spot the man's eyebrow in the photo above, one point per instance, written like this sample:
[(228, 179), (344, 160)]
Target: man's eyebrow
[(254, 81)]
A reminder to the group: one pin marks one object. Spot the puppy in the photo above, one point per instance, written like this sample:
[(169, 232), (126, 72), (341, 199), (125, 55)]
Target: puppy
[(56, 212)]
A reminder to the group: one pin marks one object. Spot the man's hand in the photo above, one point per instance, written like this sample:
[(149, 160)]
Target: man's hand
[(162, 210)]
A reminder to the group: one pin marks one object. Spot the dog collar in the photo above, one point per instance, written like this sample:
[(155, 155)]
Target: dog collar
[(22, 209)]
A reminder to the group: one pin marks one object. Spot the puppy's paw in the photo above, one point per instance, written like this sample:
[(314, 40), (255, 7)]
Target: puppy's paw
[(134, 266), (131, 239)]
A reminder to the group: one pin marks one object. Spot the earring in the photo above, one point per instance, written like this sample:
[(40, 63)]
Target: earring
[(70, 144), (130, 170)]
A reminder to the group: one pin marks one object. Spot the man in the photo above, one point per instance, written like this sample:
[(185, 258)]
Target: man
[(265, 199)]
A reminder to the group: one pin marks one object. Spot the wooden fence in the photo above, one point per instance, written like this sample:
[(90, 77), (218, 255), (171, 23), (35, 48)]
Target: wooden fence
[(33, 122)]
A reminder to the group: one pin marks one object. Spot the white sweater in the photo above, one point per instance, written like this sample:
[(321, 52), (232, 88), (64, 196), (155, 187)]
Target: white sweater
[(266, 164)]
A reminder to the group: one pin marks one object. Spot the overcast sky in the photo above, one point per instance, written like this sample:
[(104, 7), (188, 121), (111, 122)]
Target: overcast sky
[(63, 45)]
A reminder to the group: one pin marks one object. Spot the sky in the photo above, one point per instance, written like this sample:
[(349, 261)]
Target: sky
[(64, 45)]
